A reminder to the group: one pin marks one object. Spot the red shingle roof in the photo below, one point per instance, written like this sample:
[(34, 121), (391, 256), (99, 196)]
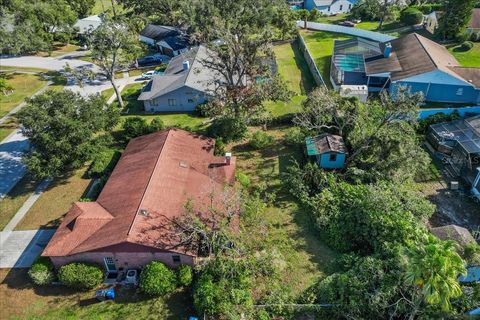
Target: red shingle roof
[(156, 175)]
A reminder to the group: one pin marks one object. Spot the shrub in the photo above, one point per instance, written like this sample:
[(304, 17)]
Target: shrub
[(103, 162), (156, 125), (157, 279), (41, 272), (466, 45), (294, 137), (134, 127), (411, 16), (260, 140), (229, 129), (81, 276), (219, 147), (243, 179), (185, 275)]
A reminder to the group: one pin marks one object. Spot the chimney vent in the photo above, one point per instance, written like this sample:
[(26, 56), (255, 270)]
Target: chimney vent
[(186, 65), (228, 158), (388, 50)]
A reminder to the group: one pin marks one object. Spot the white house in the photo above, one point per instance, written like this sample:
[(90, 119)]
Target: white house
[(88, 24), (431, 21), (330, 7), (168, 40)]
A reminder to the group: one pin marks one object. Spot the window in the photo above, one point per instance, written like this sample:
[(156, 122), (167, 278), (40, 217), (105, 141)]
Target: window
[(459, 91), (341, 7), (176, 259), (172, 102), (154, 102), (333, 157)]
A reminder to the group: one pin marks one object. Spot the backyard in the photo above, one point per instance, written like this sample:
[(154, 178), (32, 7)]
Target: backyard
[(470, 58)]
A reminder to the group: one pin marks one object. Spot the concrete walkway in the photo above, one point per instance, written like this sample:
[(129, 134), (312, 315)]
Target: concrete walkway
[(18, 249), (12, 168), (27, 205)]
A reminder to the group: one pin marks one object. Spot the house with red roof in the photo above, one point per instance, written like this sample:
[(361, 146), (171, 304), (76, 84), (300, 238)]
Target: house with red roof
[(129, 224)]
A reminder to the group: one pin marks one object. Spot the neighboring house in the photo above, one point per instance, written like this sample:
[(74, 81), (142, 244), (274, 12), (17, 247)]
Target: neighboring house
[(453, 232), (431, 21), (131, 223), (328, 149), (88, 24), (459, 141), (168, 40), (185, 84), (413, 61), (474, 24), (330, 7)]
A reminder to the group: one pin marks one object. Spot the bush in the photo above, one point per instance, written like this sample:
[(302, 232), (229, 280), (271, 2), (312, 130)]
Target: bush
[(294, 137), (260, 140), (156, 125), (467, 45), (41, 272), (411, 16), (134, 127), (243, 179), (81, 276), (219, 147), (157, 279), (185, 275), (103, 162), (229, 129), (436, 118)]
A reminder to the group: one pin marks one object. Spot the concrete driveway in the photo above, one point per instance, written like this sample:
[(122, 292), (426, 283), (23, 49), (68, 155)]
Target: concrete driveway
[(18, 249), (49, 63), (12, 168)]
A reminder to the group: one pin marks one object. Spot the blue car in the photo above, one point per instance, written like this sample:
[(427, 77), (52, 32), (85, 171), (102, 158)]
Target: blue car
[(149, 61)]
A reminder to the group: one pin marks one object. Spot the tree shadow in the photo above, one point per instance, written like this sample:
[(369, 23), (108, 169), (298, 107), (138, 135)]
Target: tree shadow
[(307, 82)]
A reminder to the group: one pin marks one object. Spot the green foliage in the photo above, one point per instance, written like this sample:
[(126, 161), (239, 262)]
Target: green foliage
[(243, 179), (229, 129), (466, 45), (436, 118), (62, 126), (427, 8), (219, 147), (5, 87), (82, 7), (457, 14), (433, 267), (411, 16), (137, 126), (82, 276), (41, 272), (223, 284), (157, 279), (156, 125), (185, 275), (471, 254), (260, 140), (294, 137), (103, 162)]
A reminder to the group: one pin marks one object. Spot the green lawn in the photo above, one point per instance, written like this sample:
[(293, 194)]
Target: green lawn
[(25, 85), (470, 58), (59, 49), (320, 45), (6, 128), (106, 6), (294, 71)]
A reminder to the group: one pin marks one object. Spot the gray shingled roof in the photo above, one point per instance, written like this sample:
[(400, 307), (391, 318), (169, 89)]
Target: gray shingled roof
[(197, 77), (156, 32)]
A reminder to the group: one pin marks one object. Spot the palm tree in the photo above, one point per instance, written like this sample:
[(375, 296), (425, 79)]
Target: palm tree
[(434, 267)]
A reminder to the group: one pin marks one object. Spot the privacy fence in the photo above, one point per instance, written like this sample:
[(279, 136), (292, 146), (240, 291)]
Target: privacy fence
[(317, 76)]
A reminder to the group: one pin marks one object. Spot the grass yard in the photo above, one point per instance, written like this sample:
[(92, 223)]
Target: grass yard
[(106, 5), (294, 71), (470, 58), (25, 85), (7, 128), (15, 199), (285, 228), (20, 300), (59, 49), (52, 205), (107, 93), (320, 45), (7, 68)]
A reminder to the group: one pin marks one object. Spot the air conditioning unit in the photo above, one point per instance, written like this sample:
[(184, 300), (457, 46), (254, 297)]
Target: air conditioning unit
[(132, 277)]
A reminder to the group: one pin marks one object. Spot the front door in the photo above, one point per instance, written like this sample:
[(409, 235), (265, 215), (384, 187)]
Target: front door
[(110, 264)]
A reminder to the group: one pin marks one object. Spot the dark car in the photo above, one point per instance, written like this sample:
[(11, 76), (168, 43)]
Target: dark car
[(149, 61), (347, 24)]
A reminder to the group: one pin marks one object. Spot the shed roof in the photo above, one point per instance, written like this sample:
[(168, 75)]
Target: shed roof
[(324, 143), (156, 175), (157, 32)]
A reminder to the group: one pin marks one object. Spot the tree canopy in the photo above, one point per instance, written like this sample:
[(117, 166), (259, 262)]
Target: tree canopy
[(63, 129)]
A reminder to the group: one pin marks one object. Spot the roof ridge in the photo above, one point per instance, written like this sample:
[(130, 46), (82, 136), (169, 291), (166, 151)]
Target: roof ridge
[(425, 49), (328, 142), (148, 183)]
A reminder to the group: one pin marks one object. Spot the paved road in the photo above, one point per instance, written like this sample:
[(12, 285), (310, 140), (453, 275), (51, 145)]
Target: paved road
[(49, 63), (18, 249), (12, 168)]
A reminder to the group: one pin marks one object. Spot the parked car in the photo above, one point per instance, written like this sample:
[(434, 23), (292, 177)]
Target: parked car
[(149, 60), (347, 24), (148, 75)]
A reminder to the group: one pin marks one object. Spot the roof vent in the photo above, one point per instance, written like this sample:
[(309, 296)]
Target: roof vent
[(183, 164), (143, 212), (186, 65)]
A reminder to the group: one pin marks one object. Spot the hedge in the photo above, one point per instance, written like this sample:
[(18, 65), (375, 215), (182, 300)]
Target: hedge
[(81, 276), (411, 16), (41, 272), (157, 279), (185, 275)]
